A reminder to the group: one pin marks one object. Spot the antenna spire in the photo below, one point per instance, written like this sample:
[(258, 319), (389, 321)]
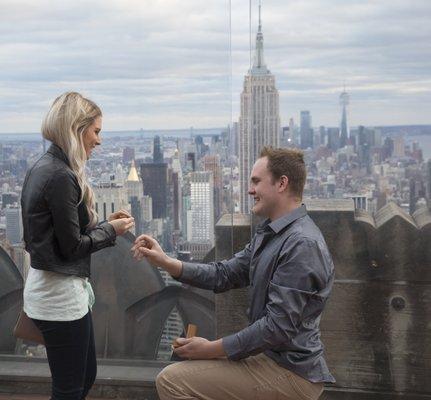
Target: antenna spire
[(260, 20), (259, 63)]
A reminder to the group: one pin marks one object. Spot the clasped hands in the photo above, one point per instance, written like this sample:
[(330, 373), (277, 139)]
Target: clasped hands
[(121, 221)]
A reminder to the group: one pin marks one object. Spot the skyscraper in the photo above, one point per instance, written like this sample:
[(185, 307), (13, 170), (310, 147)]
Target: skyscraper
[(344, 130), (128, 154), (334, 139), (305, 130), (134, 183), (293, 132), (201, 215), (154, 177), (399, 146), (9, 198), (135, 193), (13, 224), (212, 163), (259, 121), (323, 136), (177, 182), (157, 150), (233, 139), (363, 147)]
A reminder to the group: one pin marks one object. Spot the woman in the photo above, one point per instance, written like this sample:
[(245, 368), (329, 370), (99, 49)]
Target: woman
[(60, 233)]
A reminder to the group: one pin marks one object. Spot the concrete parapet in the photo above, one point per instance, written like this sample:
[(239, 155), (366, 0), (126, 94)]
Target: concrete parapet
[(232, 233), (376, 325), (116, 379)]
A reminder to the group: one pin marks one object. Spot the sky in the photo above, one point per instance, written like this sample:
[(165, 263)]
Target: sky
[(173, 64)]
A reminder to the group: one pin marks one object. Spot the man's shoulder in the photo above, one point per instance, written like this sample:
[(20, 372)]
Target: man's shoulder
[(306, 232)]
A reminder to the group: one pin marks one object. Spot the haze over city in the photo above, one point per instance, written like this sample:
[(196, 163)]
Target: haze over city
[(166, 65)]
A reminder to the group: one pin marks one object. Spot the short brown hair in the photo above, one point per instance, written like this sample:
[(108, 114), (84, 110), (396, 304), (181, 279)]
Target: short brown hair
[(288, 162)]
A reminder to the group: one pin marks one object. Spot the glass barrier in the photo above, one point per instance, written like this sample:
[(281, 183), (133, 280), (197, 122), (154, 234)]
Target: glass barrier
[(162, 78), (190, 93)]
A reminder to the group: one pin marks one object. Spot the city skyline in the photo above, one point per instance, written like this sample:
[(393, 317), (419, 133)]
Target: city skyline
[(143, 63)]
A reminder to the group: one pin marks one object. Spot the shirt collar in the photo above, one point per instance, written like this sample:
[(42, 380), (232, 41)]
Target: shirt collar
[(58, 152), (287, 219)]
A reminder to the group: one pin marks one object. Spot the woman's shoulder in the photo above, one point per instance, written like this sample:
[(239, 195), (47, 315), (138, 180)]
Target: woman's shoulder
[(56, 179), (46, 172), (63, 181), (49, 165)]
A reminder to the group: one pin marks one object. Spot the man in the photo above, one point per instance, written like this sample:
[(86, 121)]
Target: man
[(290, 273)]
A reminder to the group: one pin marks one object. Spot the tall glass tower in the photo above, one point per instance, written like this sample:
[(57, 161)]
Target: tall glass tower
[(344, 129)]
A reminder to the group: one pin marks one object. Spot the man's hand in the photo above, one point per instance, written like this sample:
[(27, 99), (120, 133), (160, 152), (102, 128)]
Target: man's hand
[(146, 246), (198, 348), (119, 214)]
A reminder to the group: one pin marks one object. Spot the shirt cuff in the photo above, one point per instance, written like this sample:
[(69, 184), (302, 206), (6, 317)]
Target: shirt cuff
[(187, 272), (231, 347)]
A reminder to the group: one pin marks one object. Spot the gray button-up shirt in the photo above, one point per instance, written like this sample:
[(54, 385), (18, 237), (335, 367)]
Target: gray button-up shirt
[(290, 273)]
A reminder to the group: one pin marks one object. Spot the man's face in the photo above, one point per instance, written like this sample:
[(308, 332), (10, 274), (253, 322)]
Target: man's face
[(263, 189)]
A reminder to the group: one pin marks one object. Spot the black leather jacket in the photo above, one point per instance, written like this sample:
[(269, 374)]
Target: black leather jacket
[(55, 232)]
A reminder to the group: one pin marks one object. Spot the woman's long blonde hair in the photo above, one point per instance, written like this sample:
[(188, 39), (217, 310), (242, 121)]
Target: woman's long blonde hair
[(64, 125)]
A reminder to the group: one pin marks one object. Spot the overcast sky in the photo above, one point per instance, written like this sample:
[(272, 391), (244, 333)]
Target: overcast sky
[(165, 64)]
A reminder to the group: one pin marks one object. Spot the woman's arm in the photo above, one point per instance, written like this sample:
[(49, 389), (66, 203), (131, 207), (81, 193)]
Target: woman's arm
[(62, 196)]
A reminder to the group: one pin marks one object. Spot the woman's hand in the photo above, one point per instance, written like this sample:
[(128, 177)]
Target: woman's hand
[(119, 214), (122, 225)]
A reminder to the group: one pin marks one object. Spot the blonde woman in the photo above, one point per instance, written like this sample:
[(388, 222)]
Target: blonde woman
[(60, 233)]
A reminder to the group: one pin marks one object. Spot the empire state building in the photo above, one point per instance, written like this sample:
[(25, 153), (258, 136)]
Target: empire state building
[(259, 121)]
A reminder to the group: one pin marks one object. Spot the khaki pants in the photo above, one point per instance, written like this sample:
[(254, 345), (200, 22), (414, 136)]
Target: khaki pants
[(254, 378)]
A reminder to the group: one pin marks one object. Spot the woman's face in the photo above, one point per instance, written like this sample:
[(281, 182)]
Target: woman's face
[(92, 137)]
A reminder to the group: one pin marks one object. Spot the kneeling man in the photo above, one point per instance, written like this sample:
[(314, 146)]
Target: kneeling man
[(290, 273)]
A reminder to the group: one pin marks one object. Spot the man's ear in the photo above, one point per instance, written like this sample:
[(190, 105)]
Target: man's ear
[(283, 183)]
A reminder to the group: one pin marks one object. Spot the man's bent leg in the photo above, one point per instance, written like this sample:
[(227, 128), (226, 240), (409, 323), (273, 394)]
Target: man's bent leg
[(256, 377)]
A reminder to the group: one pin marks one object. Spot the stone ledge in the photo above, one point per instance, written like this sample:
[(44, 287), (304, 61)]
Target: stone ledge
[(116, 379), (338, 205), (136, 380)]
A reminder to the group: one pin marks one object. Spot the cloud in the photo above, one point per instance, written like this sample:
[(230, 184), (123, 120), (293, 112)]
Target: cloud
[(166, 63)]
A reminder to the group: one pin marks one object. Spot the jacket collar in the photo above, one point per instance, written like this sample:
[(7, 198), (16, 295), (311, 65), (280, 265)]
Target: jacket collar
[(56, 151)]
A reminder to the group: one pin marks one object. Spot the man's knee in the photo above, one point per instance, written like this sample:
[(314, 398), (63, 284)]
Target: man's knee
[(166, 381)]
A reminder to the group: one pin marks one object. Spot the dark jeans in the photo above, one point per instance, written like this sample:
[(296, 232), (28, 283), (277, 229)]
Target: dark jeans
[(71, 356)]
